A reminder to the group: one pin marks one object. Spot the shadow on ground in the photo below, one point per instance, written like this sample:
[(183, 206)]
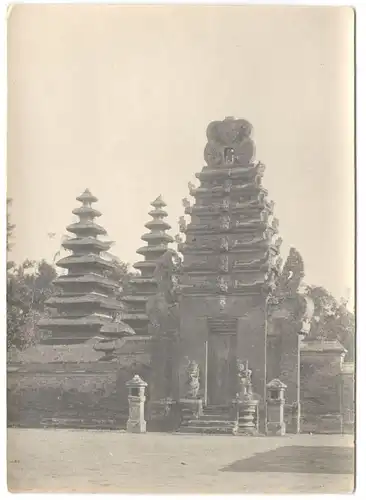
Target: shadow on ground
[(298, 459)]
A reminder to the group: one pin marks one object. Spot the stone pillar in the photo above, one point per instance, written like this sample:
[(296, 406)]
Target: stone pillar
[(136, 401), (275, 400)]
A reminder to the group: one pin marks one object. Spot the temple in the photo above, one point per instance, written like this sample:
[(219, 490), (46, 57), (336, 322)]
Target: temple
[(144, 285), (221, 331), (230, 255), (85, 302)]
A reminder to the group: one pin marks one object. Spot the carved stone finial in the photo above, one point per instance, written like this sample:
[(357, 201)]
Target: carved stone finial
[(229, 142)]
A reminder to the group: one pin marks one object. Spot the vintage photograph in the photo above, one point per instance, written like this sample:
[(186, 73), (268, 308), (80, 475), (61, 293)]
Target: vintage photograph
[(180, 249)]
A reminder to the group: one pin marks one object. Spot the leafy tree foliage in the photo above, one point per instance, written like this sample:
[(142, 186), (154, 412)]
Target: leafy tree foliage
[(333, 319), (28, 286), (121, 274)]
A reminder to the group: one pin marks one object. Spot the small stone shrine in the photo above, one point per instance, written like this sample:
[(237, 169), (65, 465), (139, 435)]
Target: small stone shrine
[(136, 401)]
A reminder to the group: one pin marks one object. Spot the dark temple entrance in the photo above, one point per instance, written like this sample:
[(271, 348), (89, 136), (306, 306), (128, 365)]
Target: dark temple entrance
[(221, 369)]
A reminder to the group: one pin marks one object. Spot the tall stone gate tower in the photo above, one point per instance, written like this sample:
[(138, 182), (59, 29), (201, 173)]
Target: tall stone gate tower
[(230, 255)]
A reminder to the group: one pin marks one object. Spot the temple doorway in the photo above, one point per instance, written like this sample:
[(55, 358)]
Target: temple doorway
[(221, 369)]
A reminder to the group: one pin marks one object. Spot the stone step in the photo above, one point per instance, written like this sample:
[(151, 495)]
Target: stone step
[(78, 423), (220, 417), (216, 407), (207, 430), (210, 423)]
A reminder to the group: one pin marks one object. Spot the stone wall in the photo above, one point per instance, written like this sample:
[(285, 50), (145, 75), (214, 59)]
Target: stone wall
[(82, 394), (321, 392)]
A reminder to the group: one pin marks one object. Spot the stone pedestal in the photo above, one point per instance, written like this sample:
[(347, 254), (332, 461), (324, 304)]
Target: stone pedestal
[(191, 408), (136, 401), (275, 419), (247, 411), (162, 415)]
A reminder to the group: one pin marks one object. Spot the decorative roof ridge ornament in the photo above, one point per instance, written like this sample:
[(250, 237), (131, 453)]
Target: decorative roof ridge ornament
[(229, 143)]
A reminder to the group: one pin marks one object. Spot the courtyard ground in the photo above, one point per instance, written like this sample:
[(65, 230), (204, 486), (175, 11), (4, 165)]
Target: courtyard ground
[(116, 462)]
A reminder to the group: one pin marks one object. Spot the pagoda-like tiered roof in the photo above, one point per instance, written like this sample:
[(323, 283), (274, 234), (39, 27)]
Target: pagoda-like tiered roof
[(85, 299), (144, 286), (231, 243)]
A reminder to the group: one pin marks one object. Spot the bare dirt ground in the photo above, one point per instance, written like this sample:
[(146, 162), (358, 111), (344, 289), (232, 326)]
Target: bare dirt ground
[(117, 462)]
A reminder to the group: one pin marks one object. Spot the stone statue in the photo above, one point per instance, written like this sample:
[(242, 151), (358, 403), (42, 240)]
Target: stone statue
[(193, 383), (292, 274), (245, 380), (182, 224), (191, 187)]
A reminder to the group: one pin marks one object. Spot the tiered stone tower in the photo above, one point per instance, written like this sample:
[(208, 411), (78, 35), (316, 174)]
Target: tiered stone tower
[(85, 300), (230, 263), (145, 285)]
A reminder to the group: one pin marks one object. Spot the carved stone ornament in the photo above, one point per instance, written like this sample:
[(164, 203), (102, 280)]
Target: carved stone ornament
[(261, 197), (224, 263), (275, 224), (225, 222), (186, 203), (229, 142), (225, 205), (224, 244), (264, 216), (222, 284), (228, 183), (182, 224)]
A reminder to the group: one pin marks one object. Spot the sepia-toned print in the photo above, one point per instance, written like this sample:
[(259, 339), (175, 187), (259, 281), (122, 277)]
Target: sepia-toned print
[(180, 236)]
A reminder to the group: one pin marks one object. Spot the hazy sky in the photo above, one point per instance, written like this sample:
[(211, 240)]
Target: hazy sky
[(118, 99)]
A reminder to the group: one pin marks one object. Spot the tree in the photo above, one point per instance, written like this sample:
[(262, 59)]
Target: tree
[(122, 275), (28, 286), (333, 319), (9, 226)]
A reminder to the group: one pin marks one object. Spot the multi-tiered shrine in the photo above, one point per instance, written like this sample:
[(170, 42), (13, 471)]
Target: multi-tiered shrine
[(230, 260), (144, 286), (85, 301)]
